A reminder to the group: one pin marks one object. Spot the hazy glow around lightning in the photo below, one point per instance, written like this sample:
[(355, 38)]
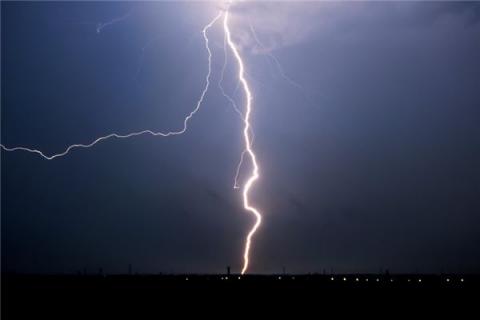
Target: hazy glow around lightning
[(248, 144)]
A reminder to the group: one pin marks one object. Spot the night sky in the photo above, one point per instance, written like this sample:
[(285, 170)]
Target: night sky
[(373, 164)]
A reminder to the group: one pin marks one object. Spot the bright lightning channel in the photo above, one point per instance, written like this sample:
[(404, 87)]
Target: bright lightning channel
[(143, 132), (234, 106), (222, 75), (248, 144)]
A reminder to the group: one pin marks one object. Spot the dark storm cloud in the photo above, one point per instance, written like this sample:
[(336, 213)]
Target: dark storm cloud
[(372, 165)]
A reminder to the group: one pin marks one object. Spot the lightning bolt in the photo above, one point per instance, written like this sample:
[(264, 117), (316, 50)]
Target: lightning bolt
[(247, 130), (143, 132), (222, 75), (248, 144), (277, 63), (102, 25), (234, 106)]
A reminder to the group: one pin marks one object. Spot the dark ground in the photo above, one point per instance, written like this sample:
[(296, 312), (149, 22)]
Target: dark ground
[(39, 296)]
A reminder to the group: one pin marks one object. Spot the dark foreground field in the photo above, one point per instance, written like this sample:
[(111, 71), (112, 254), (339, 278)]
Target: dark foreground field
[(24, 296)]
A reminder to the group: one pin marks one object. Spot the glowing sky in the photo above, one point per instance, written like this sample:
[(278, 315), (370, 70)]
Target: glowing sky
[(373, 164)]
